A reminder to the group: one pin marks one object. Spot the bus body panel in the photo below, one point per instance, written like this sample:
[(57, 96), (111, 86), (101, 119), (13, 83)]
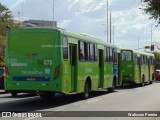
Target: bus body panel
[(145, 72), (137, 74), (109, 74), (127, 71), (30, 60), (137, 70), (66, 85), (91, 71), (35, 62)]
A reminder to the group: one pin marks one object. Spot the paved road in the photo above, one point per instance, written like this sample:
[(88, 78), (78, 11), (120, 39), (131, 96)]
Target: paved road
[(128, 98)]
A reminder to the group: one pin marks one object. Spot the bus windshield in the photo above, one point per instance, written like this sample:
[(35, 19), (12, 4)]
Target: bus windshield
[(126, 55)]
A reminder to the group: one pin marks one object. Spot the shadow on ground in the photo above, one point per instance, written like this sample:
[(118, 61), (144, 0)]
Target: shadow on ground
[(32, 102)]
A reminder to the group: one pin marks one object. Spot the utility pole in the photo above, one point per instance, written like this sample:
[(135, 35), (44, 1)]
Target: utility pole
[(151, 33), (110, 27), (22, 10), (107, 22), (138, 42), (19, 15), (53, 12)]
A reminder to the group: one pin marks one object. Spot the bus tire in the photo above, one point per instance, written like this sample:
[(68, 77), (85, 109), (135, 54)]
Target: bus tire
[(122, 85), (151, 82), (47, 95), (152, 76), (87, 90), (13, 93), (113, 86), (143, 79)]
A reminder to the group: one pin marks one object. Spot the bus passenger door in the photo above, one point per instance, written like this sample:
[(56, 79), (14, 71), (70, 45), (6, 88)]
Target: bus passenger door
[(101, 69), (149, 72), (73, 63), (139, 69), (119, 70)]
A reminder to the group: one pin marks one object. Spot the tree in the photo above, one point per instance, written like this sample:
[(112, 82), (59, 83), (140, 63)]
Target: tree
[(157, 60), (2, 46), (5, 19), (152, 7), (156, 45)]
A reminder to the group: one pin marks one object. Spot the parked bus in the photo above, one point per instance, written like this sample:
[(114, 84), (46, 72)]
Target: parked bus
[(49, 61), (137, 67)]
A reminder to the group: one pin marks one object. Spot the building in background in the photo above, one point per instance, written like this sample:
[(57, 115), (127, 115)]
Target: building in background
[(39, 23)]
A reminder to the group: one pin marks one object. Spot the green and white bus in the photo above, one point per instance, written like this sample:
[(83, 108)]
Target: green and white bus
[(137, 67), (49, 61)]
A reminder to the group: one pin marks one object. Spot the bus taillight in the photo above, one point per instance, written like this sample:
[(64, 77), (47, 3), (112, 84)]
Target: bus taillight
[(132, 72), (57, 71), (6, 71), (2, 75)]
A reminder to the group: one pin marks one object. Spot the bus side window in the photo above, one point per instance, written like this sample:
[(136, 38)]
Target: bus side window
[(107, 55), (65, 47), (145, 60), (135, 59), (88, 51), (91, 52), (138, 61), (151, 60), (96, 54), (82, 51), (108, 52), (141, 59), (115, 56), (111, 55)]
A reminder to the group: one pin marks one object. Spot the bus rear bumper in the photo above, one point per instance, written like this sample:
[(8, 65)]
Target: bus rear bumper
[(31, 86)]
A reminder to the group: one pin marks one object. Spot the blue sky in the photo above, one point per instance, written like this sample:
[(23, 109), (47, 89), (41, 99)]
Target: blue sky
[(8, 3), (89, 16)]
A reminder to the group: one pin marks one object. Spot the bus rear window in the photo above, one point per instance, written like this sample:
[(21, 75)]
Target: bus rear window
[(65, 48), (126, 55)]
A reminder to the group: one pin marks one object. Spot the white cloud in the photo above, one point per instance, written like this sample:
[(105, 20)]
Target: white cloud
[(64, 23), (139, 26), (75, 2), (157, 33), (85, 2), (87, 16)]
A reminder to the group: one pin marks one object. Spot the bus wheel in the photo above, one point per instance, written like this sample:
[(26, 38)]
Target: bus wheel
[(113, 86), (152, 77), (87, 90), (151, 82), (122, 85), (47, 95), (143, 78), (14, 94)]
